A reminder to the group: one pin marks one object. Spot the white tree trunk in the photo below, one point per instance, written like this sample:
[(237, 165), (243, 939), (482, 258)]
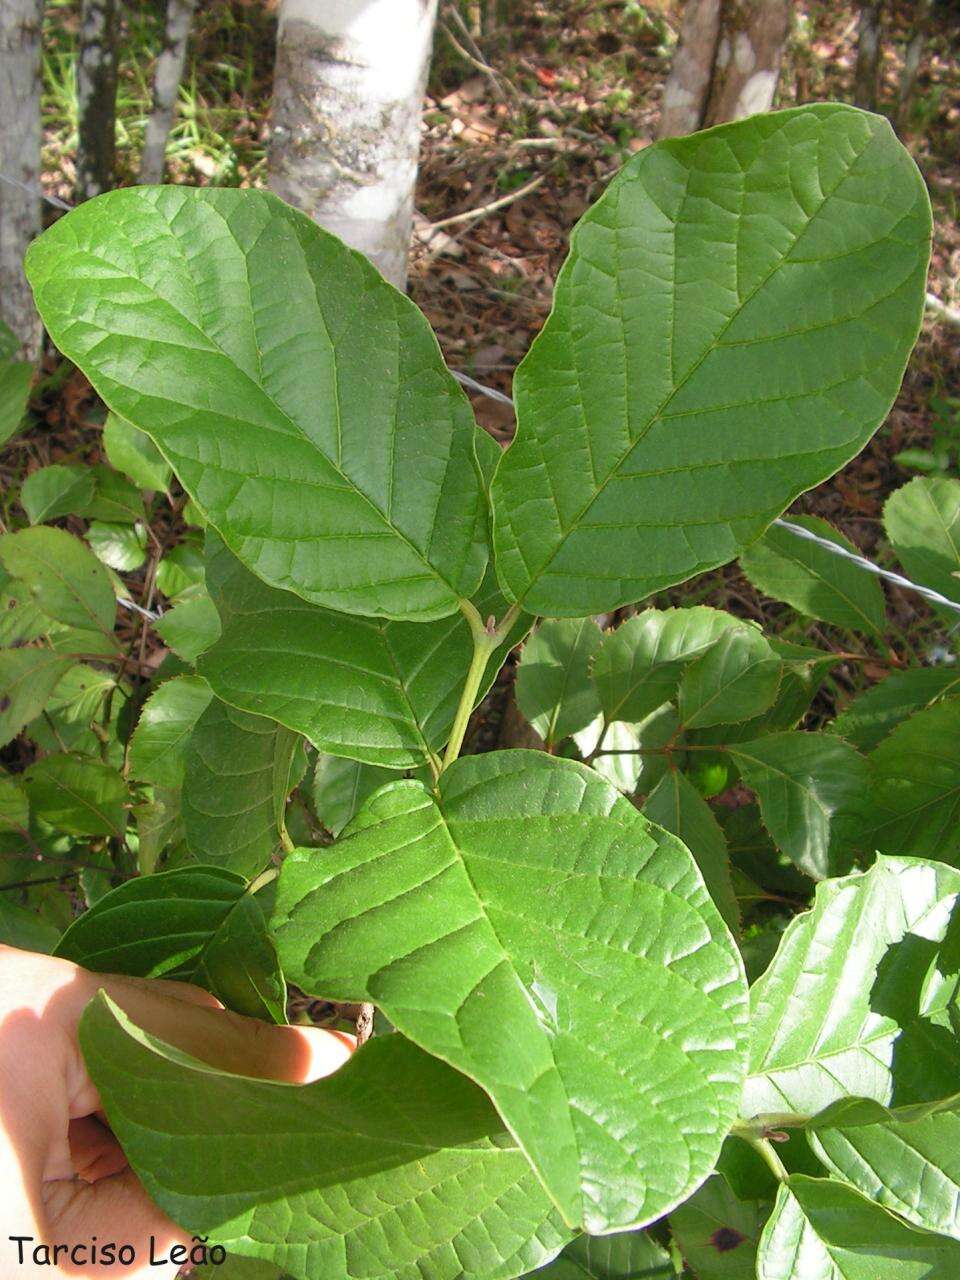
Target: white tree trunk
[(688, 84), (96, 98), (166, 85), (746, 70), (345, 139), (20, 30)]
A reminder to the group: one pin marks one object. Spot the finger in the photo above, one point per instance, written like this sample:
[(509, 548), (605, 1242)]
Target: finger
[(94, 1150)]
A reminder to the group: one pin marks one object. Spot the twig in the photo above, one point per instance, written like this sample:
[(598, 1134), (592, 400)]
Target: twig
[(472, 214), (940, 309)]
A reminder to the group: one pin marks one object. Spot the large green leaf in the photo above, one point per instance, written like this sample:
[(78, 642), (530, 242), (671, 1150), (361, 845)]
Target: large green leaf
[(872, 714), (811, 789), (717, 1233), (554, 688), (910, 1166), (302, 401), (236, 780), (822, 1230), (382, 692), (922, 521), (639, 665), (730, 328), (529, 906), (736, 679), (859, 998), (915, 797), (422, 1185), (79, 796), (65, 579), (195, 924), (814, 580), (166, 722), (28, 678), (678, 807), (625, 1255)]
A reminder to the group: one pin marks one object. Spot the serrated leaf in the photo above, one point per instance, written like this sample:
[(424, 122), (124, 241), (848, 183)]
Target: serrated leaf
[(736, 679), (166, 722), (57, 491), (730, 328), (428, 1186), (554, 689), (877, 974), (474, 921), (119, 546), (625, 1255), (28, 678), (717, 1233), (822, 1230), (811, 788), (382, 692), (815, 582), (922, 521), (20, 619), (236, 780), (915, 796), (875, 712), (345, 468), (911, 1167), (197, 924), (76, 795), (65, 579), (639, 665), (341, 786), (677, 806), (134, 453), (190, 628)]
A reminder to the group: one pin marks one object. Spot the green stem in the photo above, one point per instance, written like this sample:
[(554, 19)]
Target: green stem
[(764, 1149), (264, 878), (486, 639)]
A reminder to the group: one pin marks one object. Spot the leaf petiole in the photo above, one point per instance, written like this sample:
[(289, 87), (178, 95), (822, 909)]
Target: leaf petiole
[(487, 636)]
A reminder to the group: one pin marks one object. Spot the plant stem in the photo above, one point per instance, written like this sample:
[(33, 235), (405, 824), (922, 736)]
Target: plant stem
[(764, 1149), (264, 878), (486, 638)]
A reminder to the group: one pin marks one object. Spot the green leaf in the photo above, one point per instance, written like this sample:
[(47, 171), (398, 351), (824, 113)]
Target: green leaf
[(915, 797), (158, 825), (65, 579), (117, 500), (190, 628), (815, 582), (382, 692), (677, 806), (196, 924), (78, 796), (236, 781), (554, 688), (57, 491), (737, 678), (425, 1183), (341, 786), (166, 722), (922, 521), (180, 572), (14, 806), (875, 712), (822, 1230), (22, 927), (28, 678), (15, 379), (119, 546), (717, 1233), (639, 665), (811, 789), (134, 453), (859, 997), (351, 475), (912, 1167), (80, 694), (730, 328), (625, 1255), (506, 912)]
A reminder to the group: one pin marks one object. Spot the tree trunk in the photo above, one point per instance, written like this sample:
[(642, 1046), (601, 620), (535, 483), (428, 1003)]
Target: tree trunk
[(348, 89), (911, 63), (166, 85), (96, 98), (866, 76), (688, 84), (746, 70), (20, 30)]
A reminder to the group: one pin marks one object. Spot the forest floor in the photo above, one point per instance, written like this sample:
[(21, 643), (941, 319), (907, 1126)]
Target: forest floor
[(537, 113)]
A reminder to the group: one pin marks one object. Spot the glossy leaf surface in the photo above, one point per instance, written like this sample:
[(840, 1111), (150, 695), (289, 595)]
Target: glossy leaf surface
[(736, 679)]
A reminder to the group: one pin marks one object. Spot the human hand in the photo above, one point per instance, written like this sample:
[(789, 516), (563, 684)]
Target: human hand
[(65, 1179)]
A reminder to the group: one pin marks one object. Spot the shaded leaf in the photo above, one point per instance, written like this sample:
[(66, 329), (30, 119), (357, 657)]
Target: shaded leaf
[(76, 795), (922, 521), (737, 678), (134, 453), (28, 678), (872, 714), (190, 628), (341, 786), (717, 1233), (22, 927), (554, 688), (57, 491), (65, 579), (625, 1255), (166, 722)]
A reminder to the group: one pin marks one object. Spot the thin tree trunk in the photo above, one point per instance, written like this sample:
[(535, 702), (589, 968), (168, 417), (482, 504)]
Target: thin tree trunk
[(348, 89), (688, 84), (166, 86), (866, 76), (20, 31), (746, 70), (96, 98), (911, 63)]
